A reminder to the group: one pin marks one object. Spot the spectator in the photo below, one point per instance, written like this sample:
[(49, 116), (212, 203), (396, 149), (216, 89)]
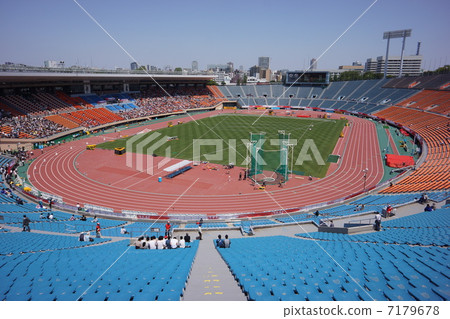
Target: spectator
[(123, 231), (161, 243), (138, 242), (98, 230), (199, 232), (181, 242), (174, 242), (187, 238), (26, 223), (219, 242), (168, 245), (423, 199), (428, 208), (83, 218), (378, 222), (227, 242), (331, 223), (152, 243), (146, 243)]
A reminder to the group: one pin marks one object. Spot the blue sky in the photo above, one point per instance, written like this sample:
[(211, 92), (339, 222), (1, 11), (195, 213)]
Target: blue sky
[(177, 32)]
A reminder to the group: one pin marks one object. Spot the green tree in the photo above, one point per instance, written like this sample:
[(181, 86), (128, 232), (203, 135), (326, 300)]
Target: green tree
[(178, 69), (212, 82)]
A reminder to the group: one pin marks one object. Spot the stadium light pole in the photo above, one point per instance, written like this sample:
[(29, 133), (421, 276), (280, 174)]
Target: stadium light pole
[(392, 35)]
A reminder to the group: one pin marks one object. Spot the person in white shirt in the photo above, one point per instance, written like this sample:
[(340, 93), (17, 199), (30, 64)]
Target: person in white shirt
[(123, 231), (152, 243), (174, 242), (160, 244), (182, 242)]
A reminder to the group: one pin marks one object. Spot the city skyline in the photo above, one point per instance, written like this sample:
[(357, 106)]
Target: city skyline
[(177, 33)]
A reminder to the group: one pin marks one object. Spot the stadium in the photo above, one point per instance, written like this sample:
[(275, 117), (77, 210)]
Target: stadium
[(296, 174)]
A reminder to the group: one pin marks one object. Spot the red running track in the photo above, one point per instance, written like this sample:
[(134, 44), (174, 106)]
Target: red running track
[(55, 172)]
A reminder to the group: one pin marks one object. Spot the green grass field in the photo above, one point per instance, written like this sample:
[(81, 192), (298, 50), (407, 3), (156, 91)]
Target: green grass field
[(228, 132)]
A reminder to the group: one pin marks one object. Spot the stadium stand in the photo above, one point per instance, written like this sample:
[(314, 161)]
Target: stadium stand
[(287, 269), (429, 100), (433, 174), (67, 274)]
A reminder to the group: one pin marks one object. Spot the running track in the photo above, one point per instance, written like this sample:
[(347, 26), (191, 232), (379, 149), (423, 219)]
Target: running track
[(359, 149)]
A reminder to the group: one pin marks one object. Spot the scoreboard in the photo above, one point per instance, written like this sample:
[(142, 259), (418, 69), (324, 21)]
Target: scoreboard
[(308, 77)]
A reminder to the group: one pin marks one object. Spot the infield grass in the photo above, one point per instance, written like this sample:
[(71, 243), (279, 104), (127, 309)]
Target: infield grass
[(232, 132)]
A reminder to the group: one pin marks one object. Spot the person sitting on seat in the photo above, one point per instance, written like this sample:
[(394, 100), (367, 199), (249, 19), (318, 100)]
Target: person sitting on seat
[(123, 231), (181, 242), (152, 243), (226, 242), (428, 208), (161, 243), (331, 223), (219, 242), (187, 238), (423, 199), (174, 242), (138, 243)]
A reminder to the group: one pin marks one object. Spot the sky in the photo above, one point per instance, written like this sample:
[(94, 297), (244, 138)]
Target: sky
[(176, 32)]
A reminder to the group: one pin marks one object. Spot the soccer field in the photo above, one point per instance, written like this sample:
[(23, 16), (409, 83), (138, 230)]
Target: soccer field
[(223, 139)]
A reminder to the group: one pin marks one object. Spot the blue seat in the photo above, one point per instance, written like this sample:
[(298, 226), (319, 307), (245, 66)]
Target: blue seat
[(169, 295), (305, 291), (282, 292), (145, 296), (443, 293), (421, 294), (260, 293), (123, 295), (398, 295)]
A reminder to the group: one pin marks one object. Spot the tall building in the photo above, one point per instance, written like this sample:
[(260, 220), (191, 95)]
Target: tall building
[(134, 66), (412, 65), (194, 66), (254, 70), (230, 67), (264, 62), (313, 64)]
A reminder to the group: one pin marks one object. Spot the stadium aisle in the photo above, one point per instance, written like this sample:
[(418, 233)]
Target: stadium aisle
[(210, 278)]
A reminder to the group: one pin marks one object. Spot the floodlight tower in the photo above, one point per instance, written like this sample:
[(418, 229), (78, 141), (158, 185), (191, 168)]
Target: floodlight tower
[(392, 35)]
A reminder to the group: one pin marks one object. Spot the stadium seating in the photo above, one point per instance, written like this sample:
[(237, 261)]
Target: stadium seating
[(433, 174), (286, 269), (80, 274)]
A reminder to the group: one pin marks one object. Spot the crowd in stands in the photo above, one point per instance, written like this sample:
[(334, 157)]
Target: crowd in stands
[(28, 127), (151, 102)]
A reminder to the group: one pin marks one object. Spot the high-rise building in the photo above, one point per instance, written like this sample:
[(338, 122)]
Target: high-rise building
[(412, 65), (264, 62), (134, 66), (194, 66), (313, 64), (254, 70), (230, 67)]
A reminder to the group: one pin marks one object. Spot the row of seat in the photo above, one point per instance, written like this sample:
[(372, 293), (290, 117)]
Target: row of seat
[(96, 273), (282, 268)]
